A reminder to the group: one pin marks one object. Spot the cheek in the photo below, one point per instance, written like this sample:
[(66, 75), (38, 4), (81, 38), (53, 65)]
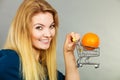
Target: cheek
[(53, 32), (35, 35)]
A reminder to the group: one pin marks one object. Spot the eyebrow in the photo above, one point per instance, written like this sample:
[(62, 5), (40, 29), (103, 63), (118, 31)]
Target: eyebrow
[(38, 24), (43, 24)]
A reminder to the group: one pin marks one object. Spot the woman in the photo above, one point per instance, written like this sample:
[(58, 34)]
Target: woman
[(30, 49)]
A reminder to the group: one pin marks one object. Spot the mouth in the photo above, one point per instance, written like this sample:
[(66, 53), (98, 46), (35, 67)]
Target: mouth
[(45, 41)]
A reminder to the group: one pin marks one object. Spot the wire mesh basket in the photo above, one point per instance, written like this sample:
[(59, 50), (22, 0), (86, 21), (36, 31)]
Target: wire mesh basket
[(84, 55)]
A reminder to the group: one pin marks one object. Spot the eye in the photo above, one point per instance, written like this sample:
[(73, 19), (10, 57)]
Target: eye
[(39, 27), (52, 26)]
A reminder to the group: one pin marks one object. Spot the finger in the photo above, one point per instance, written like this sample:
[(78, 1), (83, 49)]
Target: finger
[(75, 37)]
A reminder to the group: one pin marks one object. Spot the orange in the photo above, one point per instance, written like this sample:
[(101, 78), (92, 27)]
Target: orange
[(90, 41)]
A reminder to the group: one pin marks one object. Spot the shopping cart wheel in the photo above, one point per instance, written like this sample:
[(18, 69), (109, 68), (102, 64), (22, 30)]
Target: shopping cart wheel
[(81, 65), (97, 66)]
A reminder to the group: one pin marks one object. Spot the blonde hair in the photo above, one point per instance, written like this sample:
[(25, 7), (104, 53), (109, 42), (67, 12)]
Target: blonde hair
[(19, 40)]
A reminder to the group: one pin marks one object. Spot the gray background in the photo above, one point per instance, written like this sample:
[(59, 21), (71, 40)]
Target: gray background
[(99, 16)]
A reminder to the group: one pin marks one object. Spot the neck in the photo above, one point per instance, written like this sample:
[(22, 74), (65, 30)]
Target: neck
[(36, 54)]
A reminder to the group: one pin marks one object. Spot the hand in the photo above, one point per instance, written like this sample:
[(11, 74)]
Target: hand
[(71, 70), (71, 39)]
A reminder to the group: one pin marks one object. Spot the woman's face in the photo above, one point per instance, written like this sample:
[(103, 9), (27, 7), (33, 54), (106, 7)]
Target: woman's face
[(43, 30)]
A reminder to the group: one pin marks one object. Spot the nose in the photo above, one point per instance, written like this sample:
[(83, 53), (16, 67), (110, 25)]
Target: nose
[(47, 33)]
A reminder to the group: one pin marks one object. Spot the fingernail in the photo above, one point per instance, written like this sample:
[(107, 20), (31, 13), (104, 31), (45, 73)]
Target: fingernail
[(74, 39)]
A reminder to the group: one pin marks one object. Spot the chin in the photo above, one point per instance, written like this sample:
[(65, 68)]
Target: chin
[(45, 48)]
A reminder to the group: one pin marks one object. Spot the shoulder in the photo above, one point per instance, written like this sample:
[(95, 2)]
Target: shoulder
[(8, 56), (9, 65), (60, 76)]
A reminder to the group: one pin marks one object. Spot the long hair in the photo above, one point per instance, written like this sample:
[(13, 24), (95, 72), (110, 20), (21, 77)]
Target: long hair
[(19, 39)]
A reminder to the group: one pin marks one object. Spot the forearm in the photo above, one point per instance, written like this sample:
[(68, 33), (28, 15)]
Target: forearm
[(71, 70)]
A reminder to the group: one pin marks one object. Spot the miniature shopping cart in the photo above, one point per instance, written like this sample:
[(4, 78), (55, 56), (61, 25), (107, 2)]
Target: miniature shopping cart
[(84, 55)]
